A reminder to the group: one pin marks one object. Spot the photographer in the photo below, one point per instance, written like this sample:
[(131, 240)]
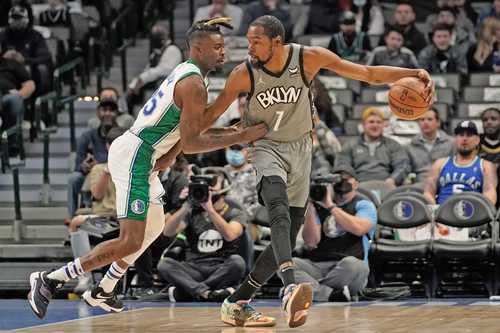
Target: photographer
[(213, 227), (336, 232)]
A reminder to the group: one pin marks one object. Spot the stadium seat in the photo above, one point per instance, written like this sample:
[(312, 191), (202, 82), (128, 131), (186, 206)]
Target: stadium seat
[(340, 111), (473, 212), (447, 81), (394, 259), (446, 95), (404, 189), (484, 79), (314, 40), (474, 110), (342, 96), (481, 94)]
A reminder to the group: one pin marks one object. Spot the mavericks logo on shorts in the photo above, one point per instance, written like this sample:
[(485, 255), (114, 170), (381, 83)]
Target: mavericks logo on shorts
[(138, 206)]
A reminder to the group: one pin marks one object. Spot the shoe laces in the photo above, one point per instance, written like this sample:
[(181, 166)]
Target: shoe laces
[(249, 310)]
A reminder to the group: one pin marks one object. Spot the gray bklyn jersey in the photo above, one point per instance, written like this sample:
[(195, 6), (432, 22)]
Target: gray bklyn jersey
[(282, 100)]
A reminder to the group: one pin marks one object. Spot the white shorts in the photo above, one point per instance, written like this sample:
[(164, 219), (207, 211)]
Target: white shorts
[(130, 162)]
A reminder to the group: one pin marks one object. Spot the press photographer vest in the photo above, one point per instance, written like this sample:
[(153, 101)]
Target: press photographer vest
[(337, 243)]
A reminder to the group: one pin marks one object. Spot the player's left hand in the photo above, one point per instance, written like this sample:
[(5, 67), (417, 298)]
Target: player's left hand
[(430, 86)]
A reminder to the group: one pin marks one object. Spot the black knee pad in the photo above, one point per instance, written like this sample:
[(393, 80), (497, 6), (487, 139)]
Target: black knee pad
[(272, 193), (297, 216)]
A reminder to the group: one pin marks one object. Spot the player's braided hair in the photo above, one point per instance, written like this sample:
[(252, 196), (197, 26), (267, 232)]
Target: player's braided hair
[(206, 27)]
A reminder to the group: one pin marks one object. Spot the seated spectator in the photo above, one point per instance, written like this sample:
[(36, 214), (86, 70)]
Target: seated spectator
[(123, 119), (324, 106), (369, 17), (57, 15), (103, 208), (492, 11), (164, 57), (463, 172), (265, 7), (465, 15), (213, 230), (6, 5), (15, 86), (480, 57), (490, 140), (337, 231), (323, 17), (374, 156), (431, 144), (326, 146), (349, 44), (220, 8), (20, 36), (404, 20), (91, 149), (460, 37), (441, 57), (393, 53)]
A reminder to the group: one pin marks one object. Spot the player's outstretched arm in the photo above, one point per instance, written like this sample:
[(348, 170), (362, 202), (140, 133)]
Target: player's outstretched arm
[(237, 82), (316, 58), (191, 96)]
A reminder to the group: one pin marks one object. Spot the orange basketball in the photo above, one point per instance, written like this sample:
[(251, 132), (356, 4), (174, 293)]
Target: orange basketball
[(406, 98)]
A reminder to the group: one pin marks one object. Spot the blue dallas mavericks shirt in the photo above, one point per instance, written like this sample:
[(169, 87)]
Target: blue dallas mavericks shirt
[(455, 178)]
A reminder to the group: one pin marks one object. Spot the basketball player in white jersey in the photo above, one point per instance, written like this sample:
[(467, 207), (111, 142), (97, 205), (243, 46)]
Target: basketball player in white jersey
[(172, 120), (277, 78)]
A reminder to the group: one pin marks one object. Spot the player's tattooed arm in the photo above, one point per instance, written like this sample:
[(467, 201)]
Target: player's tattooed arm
[(191, 97), (490, 181), (431, 183)]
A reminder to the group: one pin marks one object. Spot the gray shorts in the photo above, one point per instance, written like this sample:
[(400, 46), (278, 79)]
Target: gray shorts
[(289, 160)]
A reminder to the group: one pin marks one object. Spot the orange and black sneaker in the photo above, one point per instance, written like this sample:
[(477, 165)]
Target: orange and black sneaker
[(296, 301), (242, 314)]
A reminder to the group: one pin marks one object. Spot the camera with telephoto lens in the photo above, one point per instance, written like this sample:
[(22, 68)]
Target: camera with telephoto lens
[(198, 188), (317, 191)]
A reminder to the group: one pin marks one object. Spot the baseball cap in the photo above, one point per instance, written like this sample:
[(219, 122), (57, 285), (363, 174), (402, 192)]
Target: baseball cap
[(467, 126), (108, 104), (348, 17), (341, 168), (18, 12)]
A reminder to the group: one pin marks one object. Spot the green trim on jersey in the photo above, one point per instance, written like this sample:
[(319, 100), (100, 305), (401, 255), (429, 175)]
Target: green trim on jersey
[(138, 196), (167, 123)]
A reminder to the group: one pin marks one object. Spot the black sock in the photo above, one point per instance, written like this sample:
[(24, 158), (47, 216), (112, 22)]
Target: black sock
[(287, 275), (246, 290)]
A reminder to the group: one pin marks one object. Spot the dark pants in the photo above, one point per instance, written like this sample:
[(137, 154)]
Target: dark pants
[(149, 259), (199, 275), (75, 183)]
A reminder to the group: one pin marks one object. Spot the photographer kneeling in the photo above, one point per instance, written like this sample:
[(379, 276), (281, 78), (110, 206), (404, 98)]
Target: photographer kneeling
[(213, 227), (336, 230)]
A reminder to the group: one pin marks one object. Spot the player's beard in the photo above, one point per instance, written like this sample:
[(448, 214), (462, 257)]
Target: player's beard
[(261, 63)]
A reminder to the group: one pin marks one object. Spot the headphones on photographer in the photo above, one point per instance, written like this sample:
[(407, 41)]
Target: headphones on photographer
[(226, 182)]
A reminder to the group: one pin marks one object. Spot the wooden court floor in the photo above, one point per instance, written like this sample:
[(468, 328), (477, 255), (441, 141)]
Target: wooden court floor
[(338, 319)]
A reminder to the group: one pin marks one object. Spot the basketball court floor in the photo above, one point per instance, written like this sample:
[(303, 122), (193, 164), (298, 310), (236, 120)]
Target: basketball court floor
[(440, 316)]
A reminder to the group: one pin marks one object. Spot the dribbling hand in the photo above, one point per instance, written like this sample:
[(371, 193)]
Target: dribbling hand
[(430, 89)]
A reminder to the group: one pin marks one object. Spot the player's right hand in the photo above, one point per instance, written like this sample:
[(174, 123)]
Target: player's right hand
[(255, 132)]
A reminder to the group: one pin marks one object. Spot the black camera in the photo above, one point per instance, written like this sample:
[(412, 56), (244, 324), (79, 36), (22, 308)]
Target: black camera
[(199, 188), (317, 191)]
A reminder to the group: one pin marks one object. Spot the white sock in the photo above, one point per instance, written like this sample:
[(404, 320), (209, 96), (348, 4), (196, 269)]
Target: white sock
[(71, 270), (113, 275)]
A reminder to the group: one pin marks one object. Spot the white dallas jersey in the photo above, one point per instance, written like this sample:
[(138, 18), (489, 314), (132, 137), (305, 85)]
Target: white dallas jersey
[(157, 123)]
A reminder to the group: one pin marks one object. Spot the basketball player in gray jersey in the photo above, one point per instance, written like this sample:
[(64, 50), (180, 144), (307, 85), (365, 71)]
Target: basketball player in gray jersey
[(277, 78)]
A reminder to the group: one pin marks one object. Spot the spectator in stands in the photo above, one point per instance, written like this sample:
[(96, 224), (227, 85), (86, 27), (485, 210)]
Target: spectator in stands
[(369, 17), (463, 172), (91, 149), (481, 56), (6, 5), (265, 7), (56, 15), (431, 144), (404, 19), (460, 37), (337, 230), (220, 8), (492, 11), (175, 186), (465, 15), (393, 53), (15, 86), (324, 106), (349, 44), (164, 57), (490, 140), (442, 57), (123, 119), (21, 37), (326, 146), (214, 230), (373, 156), (103, 208), (323, 18)]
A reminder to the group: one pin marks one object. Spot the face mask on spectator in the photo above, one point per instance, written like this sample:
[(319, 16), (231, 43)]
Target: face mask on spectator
[(359, 3), (235, 158), (157, 41), (343, 187)]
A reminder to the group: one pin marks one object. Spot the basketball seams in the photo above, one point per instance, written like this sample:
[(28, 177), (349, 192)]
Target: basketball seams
[(409, 105)]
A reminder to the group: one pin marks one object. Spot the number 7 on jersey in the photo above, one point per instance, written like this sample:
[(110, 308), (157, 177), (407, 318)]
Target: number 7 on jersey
[(278, 121)]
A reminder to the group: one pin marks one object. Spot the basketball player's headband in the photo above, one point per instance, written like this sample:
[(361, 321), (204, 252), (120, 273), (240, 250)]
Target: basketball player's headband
[(213, 23)]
